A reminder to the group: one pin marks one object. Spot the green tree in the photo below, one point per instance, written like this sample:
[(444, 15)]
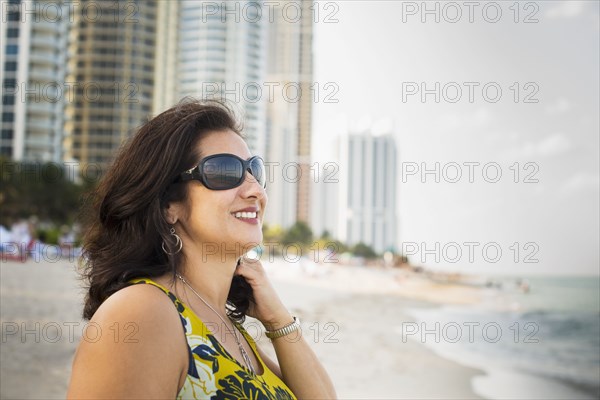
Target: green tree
[(272, 233), (38, 189), (363, 250), (299, 233), (325, 235)]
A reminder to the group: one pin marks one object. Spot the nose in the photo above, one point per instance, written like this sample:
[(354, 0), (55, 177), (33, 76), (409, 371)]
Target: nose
[(252, 178), (252, 186)]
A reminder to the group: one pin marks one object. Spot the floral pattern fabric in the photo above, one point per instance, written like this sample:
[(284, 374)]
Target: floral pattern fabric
[(213, 373)]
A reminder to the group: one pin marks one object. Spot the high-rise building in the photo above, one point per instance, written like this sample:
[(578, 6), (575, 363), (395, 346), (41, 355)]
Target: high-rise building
[(165, 68), (111, 64), (33, 35), (305, 113), (325, 189), (289, 115), (222, 55), (365, 199)]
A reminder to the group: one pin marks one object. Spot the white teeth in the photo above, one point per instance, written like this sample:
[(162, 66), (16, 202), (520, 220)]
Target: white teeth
[(245, 215)]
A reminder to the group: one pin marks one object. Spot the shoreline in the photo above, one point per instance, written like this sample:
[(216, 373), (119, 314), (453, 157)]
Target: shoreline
[(489, 378), (384, 365), (499, 381)]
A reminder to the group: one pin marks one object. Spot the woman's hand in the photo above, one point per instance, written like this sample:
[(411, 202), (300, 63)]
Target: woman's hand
[(268, 308)]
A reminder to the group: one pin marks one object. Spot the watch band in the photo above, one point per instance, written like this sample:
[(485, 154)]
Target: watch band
[(286, 330)]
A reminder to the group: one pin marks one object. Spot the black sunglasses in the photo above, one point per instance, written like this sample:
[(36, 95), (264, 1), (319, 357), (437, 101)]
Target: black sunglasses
[(225, 171)]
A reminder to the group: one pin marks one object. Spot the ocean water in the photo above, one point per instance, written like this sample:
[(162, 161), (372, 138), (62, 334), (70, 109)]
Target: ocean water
[(540, 344)]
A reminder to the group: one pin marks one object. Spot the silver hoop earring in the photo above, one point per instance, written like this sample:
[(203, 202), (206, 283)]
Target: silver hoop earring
[(178, 243)]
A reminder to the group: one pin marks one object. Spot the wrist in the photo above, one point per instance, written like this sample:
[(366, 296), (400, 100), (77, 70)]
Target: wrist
[(279, 321), (294, 326)]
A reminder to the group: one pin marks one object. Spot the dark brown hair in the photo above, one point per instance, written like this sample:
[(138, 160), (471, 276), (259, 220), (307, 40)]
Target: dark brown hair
[(127, 224)]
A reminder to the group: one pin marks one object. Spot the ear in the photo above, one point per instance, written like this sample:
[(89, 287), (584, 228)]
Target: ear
[(172, 213)]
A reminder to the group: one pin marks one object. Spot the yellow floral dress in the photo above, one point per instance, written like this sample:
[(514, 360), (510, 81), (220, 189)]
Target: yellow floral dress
[(213, 373)]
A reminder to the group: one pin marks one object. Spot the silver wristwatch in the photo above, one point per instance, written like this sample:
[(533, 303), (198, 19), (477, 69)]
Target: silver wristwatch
[(286, 330)]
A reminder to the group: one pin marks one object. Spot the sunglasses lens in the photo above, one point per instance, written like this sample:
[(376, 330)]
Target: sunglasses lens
[(223, 172), (257, 167)]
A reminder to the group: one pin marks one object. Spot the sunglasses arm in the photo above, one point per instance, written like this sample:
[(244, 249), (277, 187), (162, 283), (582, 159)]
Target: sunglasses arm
[(188, 175)]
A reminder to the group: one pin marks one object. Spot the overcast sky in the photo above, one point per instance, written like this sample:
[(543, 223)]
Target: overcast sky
[(379, 50)]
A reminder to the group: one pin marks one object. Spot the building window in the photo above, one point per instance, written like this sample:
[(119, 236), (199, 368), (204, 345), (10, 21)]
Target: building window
[(8, 117), (12, 49), (10, 66), (7, 134), (14, 15), (5, 151), (12, 32), (9, 83), (8, 100)]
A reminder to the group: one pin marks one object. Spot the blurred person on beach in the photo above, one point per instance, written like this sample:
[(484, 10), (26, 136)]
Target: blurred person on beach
[(169, 286), (66, 241)]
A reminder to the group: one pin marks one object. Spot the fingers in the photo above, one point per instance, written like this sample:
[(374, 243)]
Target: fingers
[(250, 268), (250, 262)]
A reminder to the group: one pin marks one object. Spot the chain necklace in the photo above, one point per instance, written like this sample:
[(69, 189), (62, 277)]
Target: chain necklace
[(242, 351)]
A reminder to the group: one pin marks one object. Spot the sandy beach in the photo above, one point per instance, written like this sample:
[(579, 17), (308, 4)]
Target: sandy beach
[(358, 321), (354, 317), (353, 329)]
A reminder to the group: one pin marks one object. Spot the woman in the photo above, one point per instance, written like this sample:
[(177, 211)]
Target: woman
[(182, 202)]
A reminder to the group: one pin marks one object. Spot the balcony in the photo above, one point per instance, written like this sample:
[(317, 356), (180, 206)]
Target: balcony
[(39, 125), (41, 108), (45, 41), (43, 74), (41, 142), (43, 57)]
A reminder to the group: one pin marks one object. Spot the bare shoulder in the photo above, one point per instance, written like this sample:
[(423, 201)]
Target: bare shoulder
[(138, 301), (133, 346)]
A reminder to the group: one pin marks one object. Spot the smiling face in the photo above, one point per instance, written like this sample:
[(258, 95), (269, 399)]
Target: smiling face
[(209, 216)]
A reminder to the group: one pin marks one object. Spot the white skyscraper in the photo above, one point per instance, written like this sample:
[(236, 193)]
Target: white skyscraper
[(289, 115), (32, 72), (222, 54), (165, 66), (364, 200)]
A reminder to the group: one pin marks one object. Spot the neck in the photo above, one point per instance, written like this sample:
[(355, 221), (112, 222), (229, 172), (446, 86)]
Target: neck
[(210, 276)]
